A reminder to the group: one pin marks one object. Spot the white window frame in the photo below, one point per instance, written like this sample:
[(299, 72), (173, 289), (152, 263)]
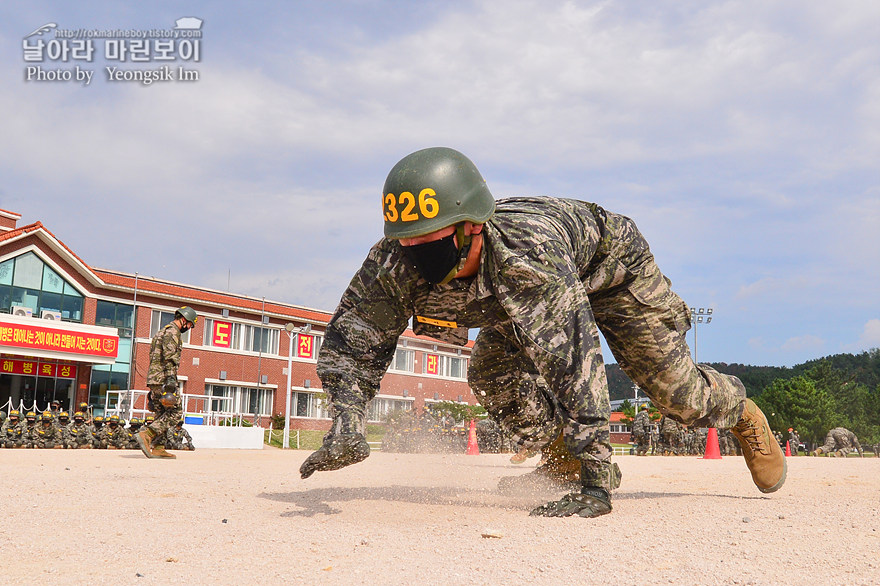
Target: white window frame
[(405, 355)]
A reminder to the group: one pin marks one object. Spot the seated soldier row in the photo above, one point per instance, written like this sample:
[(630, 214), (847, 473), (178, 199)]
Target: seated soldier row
[(101, 433)]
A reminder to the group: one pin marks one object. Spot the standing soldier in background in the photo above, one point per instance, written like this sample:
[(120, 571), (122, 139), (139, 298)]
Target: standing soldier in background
[(641, 431), (794, 441), (540, 277), (87, 412), (670, 436), (164, 397), (839, 442)]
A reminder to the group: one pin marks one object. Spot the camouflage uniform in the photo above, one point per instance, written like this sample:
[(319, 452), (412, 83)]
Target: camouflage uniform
[(29, 430), (134, 426), (670, 436), (113, 434), (165, 350), (552, 274), (78, 434), (794, 442), (12, 431), (641, 432), (96, 431), (178, 438), (47, 435), (840, 442)]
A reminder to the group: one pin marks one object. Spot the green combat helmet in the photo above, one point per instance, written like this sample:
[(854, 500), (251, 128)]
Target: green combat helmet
[(431, 189), (187, 313)]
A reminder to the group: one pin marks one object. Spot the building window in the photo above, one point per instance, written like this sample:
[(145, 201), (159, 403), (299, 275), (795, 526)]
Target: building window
[(453, 367), (112, 377), (224, 401), (234, 399), (404, 360), (160, 319), (618, 428), (263, 340), (307, 405), (115, 315), (224, 334), (255, 401), (29, 284), (379, 408)]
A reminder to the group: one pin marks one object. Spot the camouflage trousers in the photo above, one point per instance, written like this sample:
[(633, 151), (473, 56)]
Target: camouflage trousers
[(838, 442), (644, 324), (643, 442), (166, 417)]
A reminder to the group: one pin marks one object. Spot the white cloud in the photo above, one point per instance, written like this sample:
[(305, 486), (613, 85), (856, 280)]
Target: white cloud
[(803, 343), (869, 339), (741, 136)]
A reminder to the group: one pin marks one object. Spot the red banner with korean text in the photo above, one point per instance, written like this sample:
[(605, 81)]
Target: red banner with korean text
[(432, 364), (305, 346), (36, 368), (221, 336), (38, 337)]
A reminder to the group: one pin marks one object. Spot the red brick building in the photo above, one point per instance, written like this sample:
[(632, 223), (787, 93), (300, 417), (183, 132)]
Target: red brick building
[(75, 333)]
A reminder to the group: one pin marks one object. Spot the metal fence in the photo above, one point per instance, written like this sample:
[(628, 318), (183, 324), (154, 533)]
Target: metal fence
[(133, 403)]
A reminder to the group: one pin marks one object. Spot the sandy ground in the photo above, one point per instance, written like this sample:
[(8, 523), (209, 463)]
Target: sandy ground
[(232, 517)]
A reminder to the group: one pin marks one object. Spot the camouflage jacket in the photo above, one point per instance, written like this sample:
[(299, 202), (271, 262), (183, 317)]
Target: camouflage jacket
[(165, 350), (11, 430), (670, 425), (131, 437), (113, 436), (641, 423), (47, 436), (541, 259), (77, 434), (177, 438)]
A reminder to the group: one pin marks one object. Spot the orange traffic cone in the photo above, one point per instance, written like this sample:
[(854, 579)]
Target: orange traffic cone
[(712, 451), (473, 449), (787, 449)]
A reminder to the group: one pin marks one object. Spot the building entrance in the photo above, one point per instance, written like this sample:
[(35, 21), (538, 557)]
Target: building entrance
[(32, 385)]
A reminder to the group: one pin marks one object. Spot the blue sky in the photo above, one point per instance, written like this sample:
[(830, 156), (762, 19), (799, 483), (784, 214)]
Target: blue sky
[(742, 137)]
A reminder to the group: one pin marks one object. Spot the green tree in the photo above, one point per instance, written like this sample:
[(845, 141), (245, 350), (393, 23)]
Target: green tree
[(629, 412), (798, 403), (458, 411)]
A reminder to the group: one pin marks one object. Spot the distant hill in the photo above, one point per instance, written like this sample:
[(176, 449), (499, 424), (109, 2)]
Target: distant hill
[(861, 368)]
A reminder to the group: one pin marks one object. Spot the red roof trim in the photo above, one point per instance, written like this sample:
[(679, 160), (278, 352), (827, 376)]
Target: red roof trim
[(149, 285)]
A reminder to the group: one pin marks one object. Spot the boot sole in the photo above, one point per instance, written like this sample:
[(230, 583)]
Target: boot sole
[(779, 484)]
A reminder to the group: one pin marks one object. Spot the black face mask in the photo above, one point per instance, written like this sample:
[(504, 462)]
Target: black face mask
[(434, 260)]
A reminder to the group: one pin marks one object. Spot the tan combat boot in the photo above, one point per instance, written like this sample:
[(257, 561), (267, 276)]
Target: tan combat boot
[(763, 455), (159, 452), (521, 456), (144, 440)]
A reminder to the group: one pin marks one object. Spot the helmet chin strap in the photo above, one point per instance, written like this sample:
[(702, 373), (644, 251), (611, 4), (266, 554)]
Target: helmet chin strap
[(464, 247)]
